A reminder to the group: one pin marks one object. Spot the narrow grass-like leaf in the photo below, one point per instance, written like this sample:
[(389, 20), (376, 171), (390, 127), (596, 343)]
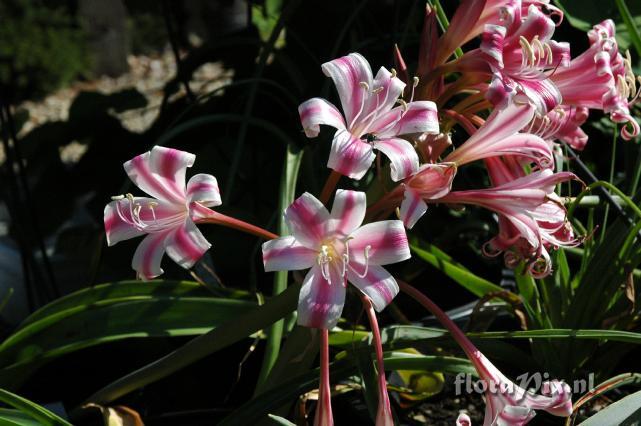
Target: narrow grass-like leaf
[(562, 333), (235, 329), (38, 413), (280, 420), (626, 411), (633, 31), (287, 192), (108, 313), (466, 279)]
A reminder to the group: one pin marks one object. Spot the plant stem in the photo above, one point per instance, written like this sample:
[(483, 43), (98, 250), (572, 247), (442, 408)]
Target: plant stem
[(442, 317), (230, 222), (330, 185), (384, 411), (324, 407)]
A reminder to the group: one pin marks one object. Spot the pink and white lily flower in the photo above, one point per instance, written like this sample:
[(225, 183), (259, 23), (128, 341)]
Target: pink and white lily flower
[(531, 216), (167, 217), (600, 78), (500, 135), (371, 120), (337, 249), (519, 53)]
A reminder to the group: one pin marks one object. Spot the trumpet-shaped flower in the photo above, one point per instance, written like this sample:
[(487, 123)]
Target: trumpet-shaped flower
[(167, 217), (519, 52), (511, 405), (531, 215), (337, 249), (472, 16), (500, 136), (600, 78), (371, 120)]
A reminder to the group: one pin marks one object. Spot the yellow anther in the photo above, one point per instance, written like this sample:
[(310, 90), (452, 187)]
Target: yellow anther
[(364, 85), (415, 81)]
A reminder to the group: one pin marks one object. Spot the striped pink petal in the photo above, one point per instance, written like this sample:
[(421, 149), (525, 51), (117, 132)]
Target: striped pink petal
[(521, 144), (307, 220), (502, 123), (492, 41), (320, 304), (386, 240), (419, 117), (146, 260), (186, 244), (287, 254), (317, 111), (118, 226), (350, 156), (348, 72), (203, 188), (412, 208), (542, 93), (348, 211), (378, 284), (124, 220), (402, 156), (161, 172)]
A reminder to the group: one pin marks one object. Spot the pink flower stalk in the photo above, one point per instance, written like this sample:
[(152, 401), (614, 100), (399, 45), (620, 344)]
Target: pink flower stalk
[(371, 120), (506, 403), (520, 54), (500, 136), (431, 182), (562, 123), (531, 216), (337, 249), (324, 415), (168, 217), (384, 415), (600, 78)]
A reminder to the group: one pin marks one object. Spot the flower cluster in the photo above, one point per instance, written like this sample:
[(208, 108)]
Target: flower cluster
[(534, 93)]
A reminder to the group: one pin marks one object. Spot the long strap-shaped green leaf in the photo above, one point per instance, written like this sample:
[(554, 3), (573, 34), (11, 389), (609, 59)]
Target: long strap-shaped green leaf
[(635, 36), (287, 191), (441, 261), (563, 333), (625, 411), (39, 413), (226, 334)]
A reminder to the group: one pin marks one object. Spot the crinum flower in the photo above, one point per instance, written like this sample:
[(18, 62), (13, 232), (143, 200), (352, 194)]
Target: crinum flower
[(371, 120), (167, 218), (337, 249)]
